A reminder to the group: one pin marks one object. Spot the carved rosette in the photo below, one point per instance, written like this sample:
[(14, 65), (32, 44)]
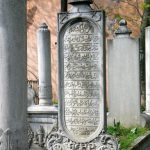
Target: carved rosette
[(58, 141)]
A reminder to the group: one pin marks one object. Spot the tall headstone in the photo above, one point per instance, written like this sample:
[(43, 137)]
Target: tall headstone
[(123, 78), (13, 76), (147, 72), (44, 65), (81, 55)]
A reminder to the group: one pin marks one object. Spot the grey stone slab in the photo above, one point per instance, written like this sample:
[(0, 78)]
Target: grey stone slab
[(124, 79), (13, 74), (147, 64)]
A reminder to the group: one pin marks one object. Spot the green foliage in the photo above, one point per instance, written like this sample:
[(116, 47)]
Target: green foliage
[(146, 5), (118, 17), (55, 101), (142, 108), (126, 136)]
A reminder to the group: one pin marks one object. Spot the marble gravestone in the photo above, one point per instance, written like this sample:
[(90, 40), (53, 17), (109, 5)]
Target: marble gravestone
[(124, 79), (81, 81)]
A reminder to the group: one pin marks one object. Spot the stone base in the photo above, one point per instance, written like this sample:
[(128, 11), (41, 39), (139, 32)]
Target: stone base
[(42, 109), (144, 121), (42, 120), (58, 140)]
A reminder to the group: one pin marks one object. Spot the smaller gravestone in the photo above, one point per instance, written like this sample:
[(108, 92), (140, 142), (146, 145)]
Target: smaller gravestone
[(124, 79)]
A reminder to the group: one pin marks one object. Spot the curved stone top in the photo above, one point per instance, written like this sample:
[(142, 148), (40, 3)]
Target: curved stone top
[(43, 27), (123, 29), (80, 1)]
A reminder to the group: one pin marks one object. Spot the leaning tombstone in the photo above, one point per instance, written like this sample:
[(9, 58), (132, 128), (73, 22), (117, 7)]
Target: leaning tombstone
[(81, 56)]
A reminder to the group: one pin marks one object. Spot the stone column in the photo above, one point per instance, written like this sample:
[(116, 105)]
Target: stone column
[(123, 78), (44, 67), (147, 72), (13, 77)]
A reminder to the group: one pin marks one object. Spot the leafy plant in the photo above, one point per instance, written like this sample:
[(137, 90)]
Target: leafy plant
[(55, 101), (126, 136)]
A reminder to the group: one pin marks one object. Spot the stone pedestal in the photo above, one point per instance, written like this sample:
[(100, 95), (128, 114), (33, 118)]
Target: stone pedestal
[(44, 67), (124, 79), (42, 120), (13, 59), (147, 72), (43, 117)]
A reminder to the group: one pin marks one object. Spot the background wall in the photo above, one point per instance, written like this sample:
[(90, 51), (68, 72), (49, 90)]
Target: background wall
[(39, 11)]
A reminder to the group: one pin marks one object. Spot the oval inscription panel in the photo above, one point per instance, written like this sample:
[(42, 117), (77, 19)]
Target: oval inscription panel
[(83, 71)]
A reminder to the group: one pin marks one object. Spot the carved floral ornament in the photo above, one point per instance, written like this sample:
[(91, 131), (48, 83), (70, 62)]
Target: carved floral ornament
[(5, 140), (58, 141)]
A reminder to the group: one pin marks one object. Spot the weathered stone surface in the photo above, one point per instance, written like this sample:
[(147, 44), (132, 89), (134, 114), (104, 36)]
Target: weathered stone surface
[(42, 120), (13, 89), (82, 63), (44, 64), (123, 79), (81, 82), (147, 63), (81, 74), (59, 141)]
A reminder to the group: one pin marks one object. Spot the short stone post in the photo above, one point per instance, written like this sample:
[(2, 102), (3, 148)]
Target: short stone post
[(123, 78), (44, 67), (147, 72), (13, 76)]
